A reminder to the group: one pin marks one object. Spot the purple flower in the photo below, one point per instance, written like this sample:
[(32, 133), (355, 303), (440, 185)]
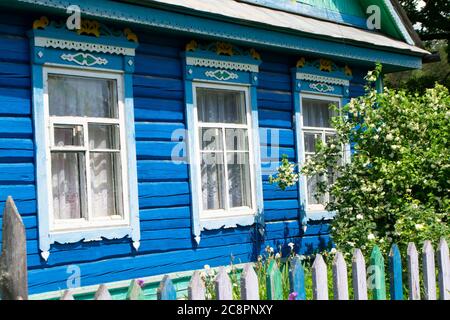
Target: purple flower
[(140, 283), (293, 296)]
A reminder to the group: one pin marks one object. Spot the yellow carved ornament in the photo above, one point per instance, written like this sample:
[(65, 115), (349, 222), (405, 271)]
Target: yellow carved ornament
[(89, 27), (301, 62), (348, 71), (255, 55), (224, 48), (326, 65), (131, 36), (192, 45), (42, 23)]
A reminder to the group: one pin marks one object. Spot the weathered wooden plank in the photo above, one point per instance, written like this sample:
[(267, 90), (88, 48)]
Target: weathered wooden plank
[(340, 279), (135, 291), (297, 279), (102, 293), (13, 264), (249, 283), (319, 279), (359, 276), (273, 282), (413, 272), (196, 288), (429, 271), (166, 290), (376, 275), (223, 285), (395, 270), (67, 295), (444, 270)]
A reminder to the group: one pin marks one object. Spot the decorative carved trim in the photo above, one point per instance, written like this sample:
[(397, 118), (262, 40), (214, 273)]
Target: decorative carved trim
[(323, 79), (82, 46), (222, 48), (221, 64), (222, 75), (321, 87), (160, 19), (84, 59)]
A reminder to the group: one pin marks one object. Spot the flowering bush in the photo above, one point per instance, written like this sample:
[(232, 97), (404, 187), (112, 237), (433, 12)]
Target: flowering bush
[(286, 176), (396, 187)]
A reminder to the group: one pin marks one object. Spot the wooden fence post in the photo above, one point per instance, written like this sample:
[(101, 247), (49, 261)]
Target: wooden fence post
[(249, 283), (429, 271), (102, 293), (395, 270), (134, 291), (166, 290), (196, 288), (359, 275), (273, 281), (444, 270), (340, 279), (224, 290), (319, 279), (413, 272), (377, 278), (67, 295), (13, 261), (297, 279)]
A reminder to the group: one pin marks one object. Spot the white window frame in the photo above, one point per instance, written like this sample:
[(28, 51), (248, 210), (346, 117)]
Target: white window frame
[(69, 225), (223, 214), (315, 130)]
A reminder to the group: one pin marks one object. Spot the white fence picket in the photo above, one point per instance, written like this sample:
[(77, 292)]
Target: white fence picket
[(429, 271), (196, 289), (413, 272), (223, 285), (319, 279), (444, 270), (359, 276), (249, 283), (340, 279), (102, 293)]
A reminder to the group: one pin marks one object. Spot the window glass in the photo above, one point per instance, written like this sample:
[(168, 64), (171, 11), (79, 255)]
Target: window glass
[(82, 97), (221, 106), (224, 149), (317, 116), (317, 113), (86, 179)]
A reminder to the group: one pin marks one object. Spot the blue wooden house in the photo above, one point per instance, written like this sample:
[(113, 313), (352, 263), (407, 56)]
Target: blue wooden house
[(137, 136)]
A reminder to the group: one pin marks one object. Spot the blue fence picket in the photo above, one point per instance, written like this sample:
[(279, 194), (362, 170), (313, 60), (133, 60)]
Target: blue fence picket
[(395, 271), (166, 290), (297, 279)]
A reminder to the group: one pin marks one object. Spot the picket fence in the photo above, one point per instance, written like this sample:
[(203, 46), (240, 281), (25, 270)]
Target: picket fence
[(13, 274)]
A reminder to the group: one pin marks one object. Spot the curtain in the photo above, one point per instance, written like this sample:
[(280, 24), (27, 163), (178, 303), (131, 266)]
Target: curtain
[(82, 97), (224, 107), (316, 113)]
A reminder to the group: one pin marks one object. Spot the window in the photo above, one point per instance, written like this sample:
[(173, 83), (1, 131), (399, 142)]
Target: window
[(317, 114), (225, 151), (87, 147)]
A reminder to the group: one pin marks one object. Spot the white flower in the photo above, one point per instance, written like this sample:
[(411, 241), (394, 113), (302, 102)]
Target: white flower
[(371, 236), (291, 245), (419, 226), (277, 256), (270, 249), (333, 251), (389, 137), (206, 267), (359, 217)]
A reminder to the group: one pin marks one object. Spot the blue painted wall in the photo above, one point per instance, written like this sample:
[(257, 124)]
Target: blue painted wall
[(164, 198)]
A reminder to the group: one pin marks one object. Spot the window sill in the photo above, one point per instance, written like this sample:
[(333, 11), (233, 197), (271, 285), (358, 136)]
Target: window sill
[(227, 222), (320, 215), (88, 235)]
